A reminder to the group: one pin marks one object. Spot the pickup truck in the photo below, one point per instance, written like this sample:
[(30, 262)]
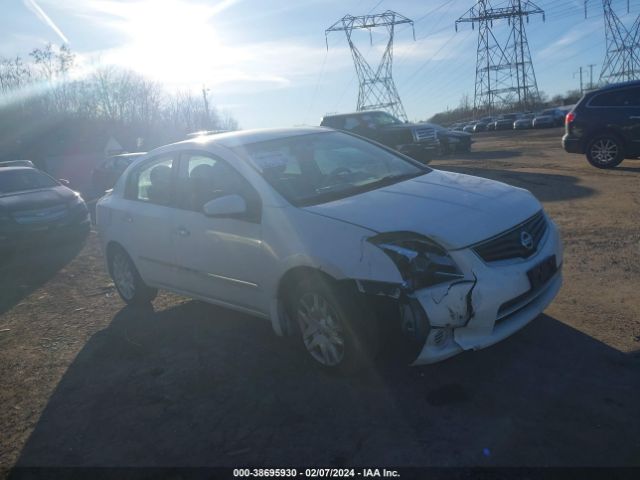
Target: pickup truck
[(419, 141)]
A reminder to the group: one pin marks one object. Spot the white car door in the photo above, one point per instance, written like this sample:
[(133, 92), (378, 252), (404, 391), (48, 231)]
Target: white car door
[(219, 258), (146, 220)]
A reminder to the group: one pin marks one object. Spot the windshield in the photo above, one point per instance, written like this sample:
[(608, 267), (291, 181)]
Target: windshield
[(20, 180), (320, 167)]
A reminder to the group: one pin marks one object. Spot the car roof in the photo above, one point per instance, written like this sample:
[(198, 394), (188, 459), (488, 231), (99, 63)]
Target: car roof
[(364, 112), (245, 137), (613, 86)]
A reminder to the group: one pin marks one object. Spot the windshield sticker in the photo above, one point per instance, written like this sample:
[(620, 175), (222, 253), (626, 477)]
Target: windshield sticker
[(269, 160)]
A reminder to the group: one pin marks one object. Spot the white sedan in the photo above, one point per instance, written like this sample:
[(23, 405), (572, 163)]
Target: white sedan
[(333, 239)]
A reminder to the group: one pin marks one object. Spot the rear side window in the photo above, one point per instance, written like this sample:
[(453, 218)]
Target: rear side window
[(351, 123), (333, 122), (628, 97)]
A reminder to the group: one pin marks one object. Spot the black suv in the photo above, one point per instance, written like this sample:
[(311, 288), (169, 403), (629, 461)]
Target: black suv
[(416, 140), (605, 125)]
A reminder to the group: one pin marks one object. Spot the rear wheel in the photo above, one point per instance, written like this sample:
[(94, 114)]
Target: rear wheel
[(335, 333), (605, 151), (127, 280)]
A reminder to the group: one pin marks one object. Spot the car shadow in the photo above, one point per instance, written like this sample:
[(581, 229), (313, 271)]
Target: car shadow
[(624, 168), (546, 187), (26, 269), (487, 155), (198, 385)]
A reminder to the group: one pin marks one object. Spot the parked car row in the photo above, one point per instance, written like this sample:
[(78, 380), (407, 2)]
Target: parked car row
[(553, 117)]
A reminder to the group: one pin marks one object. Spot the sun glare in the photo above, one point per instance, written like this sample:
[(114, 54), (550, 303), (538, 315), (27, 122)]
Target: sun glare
[(173, 42)]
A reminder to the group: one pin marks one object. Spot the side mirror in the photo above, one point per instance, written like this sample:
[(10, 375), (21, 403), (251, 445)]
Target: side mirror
[(225, 206), (64, 182)]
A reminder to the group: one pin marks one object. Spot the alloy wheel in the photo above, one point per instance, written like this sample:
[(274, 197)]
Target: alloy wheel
[(123, 275), (322, 333), (604, 151)]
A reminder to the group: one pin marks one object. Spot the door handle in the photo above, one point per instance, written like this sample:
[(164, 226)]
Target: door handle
[(128, 218), (634, 117), (183, 232)]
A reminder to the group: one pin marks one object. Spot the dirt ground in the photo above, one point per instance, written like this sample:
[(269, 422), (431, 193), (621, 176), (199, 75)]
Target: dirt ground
[(85, 381)]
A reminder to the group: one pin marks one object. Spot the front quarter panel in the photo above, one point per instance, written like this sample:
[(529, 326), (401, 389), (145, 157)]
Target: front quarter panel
[(295, 238)]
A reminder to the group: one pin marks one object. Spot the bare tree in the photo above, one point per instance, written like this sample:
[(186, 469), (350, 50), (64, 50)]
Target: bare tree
[(110, 99)]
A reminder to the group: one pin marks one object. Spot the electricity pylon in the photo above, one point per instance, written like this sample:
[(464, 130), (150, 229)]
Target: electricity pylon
[(622, 60), (504, 71), (377, 91)]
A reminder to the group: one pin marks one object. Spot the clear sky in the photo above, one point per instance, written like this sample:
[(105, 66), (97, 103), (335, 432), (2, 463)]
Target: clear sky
[(265, 61)]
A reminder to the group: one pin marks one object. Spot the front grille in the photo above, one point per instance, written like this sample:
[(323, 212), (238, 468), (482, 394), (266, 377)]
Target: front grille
[(425, 134), (41, 215), (510, 244)]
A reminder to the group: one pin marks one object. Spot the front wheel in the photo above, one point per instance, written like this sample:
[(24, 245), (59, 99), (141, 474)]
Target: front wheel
[(605, 151), (127, 280), (335, 333)]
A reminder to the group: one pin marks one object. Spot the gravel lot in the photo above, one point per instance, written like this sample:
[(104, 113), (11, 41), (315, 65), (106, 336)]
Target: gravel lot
[(85, 381)]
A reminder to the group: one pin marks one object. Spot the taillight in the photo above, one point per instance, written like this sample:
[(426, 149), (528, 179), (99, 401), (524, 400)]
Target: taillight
[(569, 118)]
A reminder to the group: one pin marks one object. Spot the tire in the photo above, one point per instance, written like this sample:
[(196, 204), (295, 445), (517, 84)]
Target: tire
[(127, 280), (605, 151), (340, 335)]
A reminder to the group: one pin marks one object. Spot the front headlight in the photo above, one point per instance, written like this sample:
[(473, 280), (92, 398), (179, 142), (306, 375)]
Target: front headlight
[(421, 262)]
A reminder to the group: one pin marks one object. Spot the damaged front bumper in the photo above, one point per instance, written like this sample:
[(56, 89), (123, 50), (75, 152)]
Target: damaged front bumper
[(493, 301), (497, 301)]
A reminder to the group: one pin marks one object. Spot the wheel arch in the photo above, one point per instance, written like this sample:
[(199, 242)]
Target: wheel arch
[(602, 132), (282, 324)]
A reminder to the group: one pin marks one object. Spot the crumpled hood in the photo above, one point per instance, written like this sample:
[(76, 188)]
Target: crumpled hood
[(453, 209), (34, 199)]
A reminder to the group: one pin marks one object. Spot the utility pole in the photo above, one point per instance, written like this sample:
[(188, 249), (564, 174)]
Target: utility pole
[(504, 71), (581, 85), (206, 107), (377, 89), (591, 65)]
